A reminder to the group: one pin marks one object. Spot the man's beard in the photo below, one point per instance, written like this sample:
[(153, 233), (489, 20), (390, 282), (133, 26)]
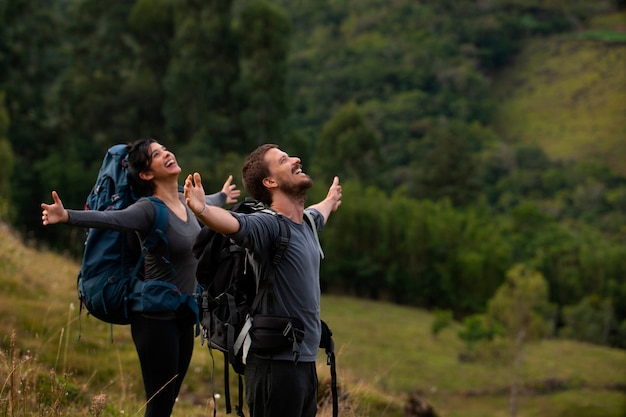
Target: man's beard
[(297, 191)]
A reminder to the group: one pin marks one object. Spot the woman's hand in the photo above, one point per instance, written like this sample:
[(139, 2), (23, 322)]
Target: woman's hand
[(55, 212), (231, 191)]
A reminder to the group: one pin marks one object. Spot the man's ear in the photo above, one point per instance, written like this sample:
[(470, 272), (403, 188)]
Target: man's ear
[(269, 182), (146, 175)]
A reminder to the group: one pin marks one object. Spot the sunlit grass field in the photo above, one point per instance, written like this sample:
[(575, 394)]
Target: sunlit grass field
[(567, 94)]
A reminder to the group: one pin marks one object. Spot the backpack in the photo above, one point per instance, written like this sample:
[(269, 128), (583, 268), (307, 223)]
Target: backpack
[(230, 297), (110, 283)]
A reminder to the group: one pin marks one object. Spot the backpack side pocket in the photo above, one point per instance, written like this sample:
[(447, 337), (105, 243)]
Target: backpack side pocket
[(155, 296)]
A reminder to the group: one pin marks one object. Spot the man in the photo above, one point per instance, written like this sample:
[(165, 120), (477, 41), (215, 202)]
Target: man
[(276, 384)]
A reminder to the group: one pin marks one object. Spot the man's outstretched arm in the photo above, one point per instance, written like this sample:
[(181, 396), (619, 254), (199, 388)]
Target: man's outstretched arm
[(214, 217)]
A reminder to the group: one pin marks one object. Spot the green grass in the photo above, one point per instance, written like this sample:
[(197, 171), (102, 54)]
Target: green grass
[(567, 94), (384, 353), (388, 348), (598, 35)]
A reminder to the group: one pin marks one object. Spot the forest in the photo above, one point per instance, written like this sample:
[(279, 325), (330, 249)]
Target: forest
[(395, 97)]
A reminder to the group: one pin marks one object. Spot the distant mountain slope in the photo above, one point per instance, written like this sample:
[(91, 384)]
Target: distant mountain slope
[(568, 95)]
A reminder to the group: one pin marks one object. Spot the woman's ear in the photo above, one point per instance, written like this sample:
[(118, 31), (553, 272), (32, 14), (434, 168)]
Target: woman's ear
[(146, 175)]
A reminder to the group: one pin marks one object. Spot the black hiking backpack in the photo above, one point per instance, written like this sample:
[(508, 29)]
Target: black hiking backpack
[(230, 296)]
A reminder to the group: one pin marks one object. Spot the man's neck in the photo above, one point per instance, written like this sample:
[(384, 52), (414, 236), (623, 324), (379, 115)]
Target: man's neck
[(290, 207)]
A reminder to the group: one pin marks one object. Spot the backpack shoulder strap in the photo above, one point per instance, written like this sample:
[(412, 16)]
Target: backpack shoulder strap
[(281, 243), (311, 221), (155, 235), (161, 221), (280, 246)]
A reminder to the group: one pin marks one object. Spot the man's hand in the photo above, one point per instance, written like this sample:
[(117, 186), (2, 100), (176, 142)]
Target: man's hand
[(335, 194), (332, 201)]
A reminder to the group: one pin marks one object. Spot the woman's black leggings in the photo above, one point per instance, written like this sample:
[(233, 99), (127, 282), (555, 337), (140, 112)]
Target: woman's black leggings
[(164, 345)]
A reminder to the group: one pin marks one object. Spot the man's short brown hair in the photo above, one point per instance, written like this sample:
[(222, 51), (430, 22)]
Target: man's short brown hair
[(255, 170)]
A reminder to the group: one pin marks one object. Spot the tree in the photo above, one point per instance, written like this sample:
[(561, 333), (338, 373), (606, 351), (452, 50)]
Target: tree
[(450, 166), (592, 320), (476, 328), (348, 147), (31, 58), (202, 73), (442, 320), (519, 307), (264, 35), (6, 155), (104, 95)]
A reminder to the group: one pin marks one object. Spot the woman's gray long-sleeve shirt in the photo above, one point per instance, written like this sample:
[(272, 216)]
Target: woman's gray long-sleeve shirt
[(180, 235)]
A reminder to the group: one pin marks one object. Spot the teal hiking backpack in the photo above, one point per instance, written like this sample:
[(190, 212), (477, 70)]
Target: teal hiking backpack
[(110, 281)]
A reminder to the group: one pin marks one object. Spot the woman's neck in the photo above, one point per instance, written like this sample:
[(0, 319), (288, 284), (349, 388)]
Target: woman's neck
[(167, 192)]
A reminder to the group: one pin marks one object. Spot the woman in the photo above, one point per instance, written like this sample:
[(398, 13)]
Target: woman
[(164, 340)]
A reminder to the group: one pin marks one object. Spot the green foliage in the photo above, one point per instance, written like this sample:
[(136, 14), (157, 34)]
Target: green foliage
[(152, 20), (6, 155), (103, 94), (435, 256), (203, 69), (476, 328), (449, 169), (30, 58), (601, 35), (591, 320), (348, 148), (55, 393), (264, 35), (442, 320), (521, 304)]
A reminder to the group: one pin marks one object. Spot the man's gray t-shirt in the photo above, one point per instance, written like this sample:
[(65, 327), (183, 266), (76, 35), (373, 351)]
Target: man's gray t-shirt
[(296, 288)]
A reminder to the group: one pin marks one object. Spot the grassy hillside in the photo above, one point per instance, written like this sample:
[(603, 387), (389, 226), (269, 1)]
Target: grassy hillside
[(568, 94), (384, 352)]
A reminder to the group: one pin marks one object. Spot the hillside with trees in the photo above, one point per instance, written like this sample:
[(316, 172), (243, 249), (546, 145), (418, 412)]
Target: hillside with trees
[(440, 117)]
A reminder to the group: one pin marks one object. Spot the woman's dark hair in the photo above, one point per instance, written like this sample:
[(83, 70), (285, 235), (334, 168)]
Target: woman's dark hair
[(254, 171), (139, 160)]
